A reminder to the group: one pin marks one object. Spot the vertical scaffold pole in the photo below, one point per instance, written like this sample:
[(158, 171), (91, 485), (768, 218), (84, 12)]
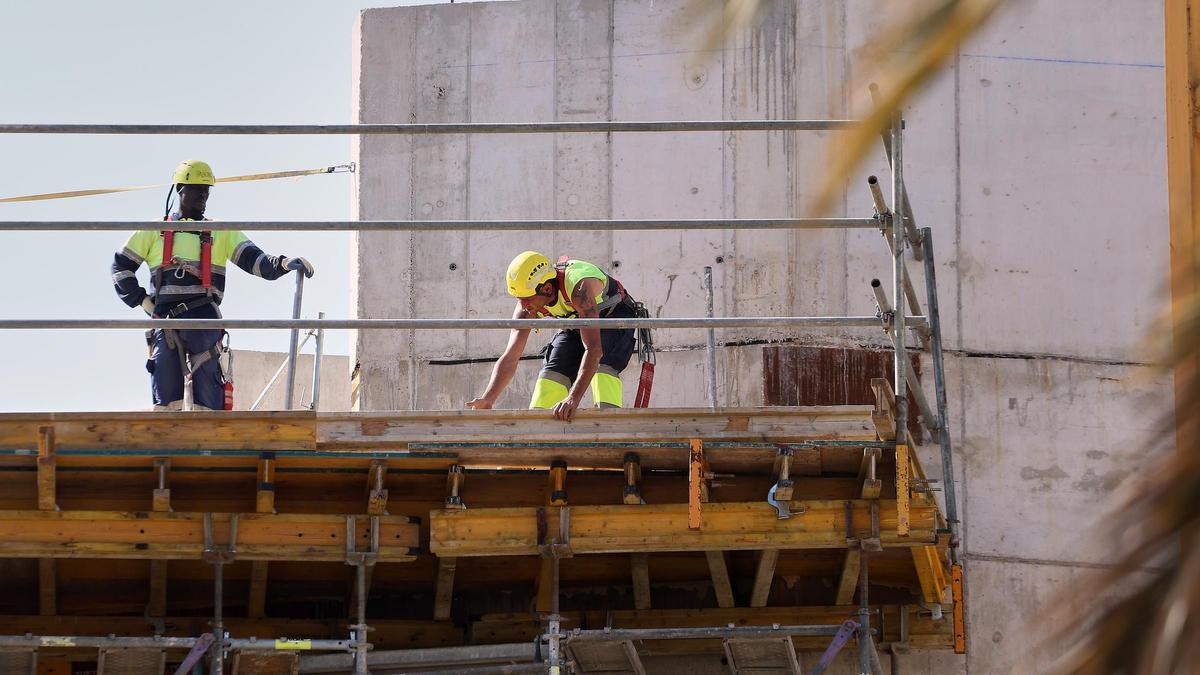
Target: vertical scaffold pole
[(218, 647), (899, 244), (939, 385), (316, 385), (290, 395), (360, 631), (865, 646), (710, 347)]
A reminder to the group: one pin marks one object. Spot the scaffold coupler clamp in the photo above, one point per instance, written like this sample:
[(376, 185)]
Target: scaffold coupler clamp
[(220, 555), (355, 556)]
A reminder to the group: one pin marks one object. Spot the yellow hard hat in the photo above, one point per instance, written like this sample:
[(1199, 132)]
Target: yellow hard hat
[(193, 172), (528, 271)]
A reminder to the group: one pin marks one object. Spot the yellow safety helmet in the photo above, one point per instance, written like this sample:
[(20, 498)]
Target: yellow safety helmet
[(193, 172), (526, 272)]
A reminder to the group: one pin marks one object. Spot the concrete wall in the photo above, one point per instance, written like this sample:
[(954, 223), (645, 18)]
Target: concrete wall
[(1037, 157), (252, 371)]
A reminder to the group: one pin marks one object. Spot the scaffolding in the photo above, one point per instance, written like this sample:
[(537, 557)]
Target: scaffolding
[(689, 442)]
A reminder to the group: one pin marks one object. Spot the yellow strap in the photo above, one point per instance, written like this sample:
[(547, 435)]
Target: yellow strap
[(293, 644), (340, 168)]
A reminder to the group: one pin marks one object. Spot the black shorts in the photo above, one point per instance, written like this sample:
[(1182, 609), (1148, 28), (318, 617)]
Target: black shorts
[(564, 354)]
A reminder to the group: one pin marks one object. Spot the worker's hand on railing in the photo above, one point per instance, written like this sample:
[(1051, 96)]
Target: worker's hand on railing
[(299, 264), (148, 306), (480, 404), (566, 408)]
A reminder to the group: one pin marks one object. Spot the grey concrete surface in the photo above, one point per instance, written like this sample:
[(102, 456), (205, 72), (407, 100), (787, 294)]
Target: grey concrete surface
[(1037, 156)]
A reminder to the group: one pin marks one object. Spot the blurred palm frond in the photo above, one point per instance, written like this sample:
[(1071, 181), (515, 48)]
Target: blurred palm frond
[(901, 58)]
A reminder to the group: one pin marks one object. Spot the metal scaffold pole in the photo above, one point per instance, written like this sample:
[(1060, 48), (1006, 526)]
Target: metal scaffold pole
[(939, 385), (899, 243)]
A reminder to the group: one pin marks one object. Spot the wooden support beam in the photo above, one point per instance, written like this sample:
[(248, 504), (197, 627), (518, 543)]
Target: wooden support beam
[(256, 608), (177, 535), (161, 499), (264, 495), (884, 414), (557, 483), (872, 486), (764, 575), (47, 587), (931, 574), (377, 494), (157, 607), (696, 487), (719, 572), (455, 477), (664, 527), (848, 581), (445, 588), (903, 494), (632, 493), (556, 495), (960, 612), (46, 474), (640, 564)]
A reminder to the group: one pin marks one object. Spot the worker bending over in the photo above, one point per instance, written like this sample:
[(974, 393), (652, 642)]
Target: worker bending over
[(187, 281), (574, 359)]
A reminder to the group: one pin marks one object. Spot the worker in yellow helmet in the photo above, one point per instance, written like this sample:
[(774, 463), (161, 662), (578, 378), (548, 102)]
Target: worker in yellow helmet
[(575, 359), (187, 281)]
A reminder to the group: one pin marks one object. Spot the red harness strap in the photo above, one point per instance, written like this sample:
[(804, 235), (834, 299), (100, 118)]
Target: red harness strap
[(645, 384), (168, 255)]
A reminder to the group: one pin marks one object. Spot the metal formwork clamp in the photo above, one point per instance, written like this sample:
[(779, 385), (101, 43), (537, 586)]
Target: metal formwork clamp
[(561, 546), (219, 554), (353, 555)]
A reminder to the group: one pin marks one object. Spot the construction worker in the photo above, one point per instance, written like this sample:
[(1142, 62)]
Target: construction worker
[(189, 284), (574, 359)]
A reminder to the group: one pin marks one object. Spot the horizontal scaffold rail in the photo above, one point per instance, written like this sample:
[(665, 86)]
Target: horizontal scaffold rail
[(432, 129), (455, 225), (456, 324), (725, 526)]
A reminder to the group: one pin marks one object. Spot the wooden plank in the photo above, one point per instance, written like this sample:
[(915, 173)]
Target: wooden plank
[(884, 414), (764, 575), (256, 607), (152, 430), (931, 574), (264, 493), (640, 565), (157, 605), (848, 581), (161, 499), (178, 535), (664, 527), (1182, 42), (46, 475), (695, 483), (47, 587), (445, 588), (960, 613), (903, 507), (719, 572)]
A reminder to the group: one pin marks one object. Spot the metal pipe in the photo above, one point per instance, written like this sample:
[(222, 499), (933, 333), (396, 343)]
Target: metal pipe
[(881, 300), (704, 633), (298, 299), (278, 371), (270, 645), (360, 631), (455, 324), (316, 386), (931, 421), (218, 648), (710, 345), (903, 206), (456, 225), (864, 617), (432, 129), (898, 244), (877, 196), (939, 389), (89, 642)]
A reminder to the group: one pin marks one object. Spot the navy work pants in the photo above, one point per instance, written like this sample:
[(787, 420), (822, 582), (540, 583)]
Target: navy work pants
[(166, 376)]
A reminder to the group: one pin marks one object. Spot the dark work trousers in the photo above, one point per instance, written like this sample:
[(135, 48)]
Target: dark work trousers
[(564, 354), (166, 378)]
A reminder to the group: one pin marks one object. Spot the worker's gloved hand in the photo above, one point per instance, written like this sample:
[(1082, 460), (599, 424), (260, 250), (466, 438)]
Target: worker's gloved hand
[(299, 264), (148, 306)]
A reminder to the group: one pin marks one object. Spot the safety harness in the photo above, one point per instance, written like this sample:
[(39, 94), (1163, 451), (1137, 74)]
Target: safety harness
[(645, 340), (189, 364)]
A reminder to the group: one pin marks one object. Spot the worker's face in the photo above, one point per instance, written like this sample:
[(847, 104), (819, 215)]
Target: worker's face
[(192, 201), (535, 303)]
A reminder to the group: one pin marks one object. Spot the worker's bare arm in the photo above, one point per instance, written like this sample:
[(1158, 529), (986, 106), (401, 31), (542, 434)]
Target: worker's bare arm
[(506, 365), (584, 301)]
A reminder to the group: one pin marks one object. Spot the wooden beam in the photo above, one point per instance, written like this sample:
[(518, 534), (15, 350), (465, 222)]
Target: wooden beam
[(883, 416), (46, 474), (960, 613), (664, 527), (557, 483), (632, 492), (696, 491), (872, 486), (931, 574), (264, 493), (720, 578), (377, 494), (455, 477), (256, 607), (848, 581), (1182, 42), (445, 588), (217, 430), (157, 607), (150, 535), (764, 575), (640, 564), (47, 587), (903, 506), (161, 498)]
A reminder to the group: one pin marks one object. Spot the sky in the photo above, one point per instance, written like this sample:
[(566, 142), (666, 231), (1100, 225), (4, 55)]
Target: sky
[(153, 62)]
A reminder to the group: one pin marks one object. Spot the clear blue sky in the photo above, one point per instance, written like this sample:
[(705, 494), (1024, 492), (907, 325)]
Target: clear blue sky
[(127, 61)]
